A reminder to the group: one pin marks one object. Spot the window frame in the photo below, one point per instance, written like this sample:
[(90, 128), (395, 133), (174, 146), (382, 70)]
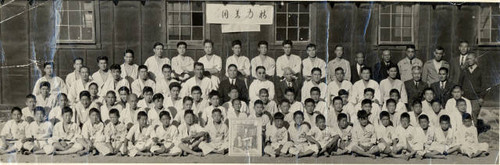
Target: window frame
[(192, 43), (490, 28), (312, 14), (97, 33), (94, 30), (414, 19)]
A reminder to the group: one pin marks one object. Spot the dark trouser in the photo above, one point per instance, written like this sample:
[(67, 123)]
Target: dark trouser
[(476, 108)]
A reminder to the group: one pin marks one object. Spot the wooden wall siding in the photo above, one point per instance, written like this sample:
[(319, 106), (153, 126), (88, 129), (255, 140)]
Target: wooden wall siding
[(132, 25)]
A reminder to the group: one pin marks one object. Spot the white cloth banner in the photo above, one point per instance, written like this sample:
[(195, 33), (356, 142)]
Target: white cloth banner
[(240, 14), (229, 28)]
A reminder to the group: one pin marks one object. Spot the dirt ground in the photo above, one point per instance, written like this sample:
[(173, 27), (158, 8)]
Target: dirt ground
[(489, 133)]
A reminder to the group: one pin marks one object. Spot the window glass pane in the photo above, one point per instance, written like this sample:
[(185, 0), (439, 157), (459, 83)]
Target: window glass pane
[(173, 33), (407, 9), (87, 34), (177, 18), (170, 18), (293, 7), (63, 33), (396, 34), (407, 20), (385, 20), (185, 6), (304, 34), (197, 33), (88, 19), (396, 20), (292, 34), (170, 7), (185, 33), (73, 5), (385, 34), (74, 33), (303, 7), (407, 34), (88, 6), (281, 34), (495, 22), (292, 19), (64, 18), (280, 8), (495, 36), (281, 20), (304, 20), (177, 6), (197, 19), (196, 6), (385, 9), (185, 18), (485, 35), (495, 9), (75, 18), (397, 9)]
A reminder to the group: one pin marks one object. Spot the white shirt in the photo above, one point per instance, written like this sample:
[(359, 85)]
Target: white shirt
[(70, 78), (293, 61), (437, 65), (241, 62), (253, 90), (268, 63), (215, 62), (56, 85), (306, 89), (179, 63), (99, 79), (131, 71), (386, 86), (77, 87), (205, 84), (356, 93), (162, 86), (309, 63), (138, 85), (344, 64), (110, 85), (155, 64), (334, 87)]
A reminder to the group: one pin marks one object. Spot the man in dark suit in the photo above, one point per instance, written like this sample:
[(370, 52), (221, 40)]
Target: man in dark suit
[(474, 84), (457, 64), (415, 87), (442, 88), (380, 68), (288, 82), (232, 81), (356, 67)]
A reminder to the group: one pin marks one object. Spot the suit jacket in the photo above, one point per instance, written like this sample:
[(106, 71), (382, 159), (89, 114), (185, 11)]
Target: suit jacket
[(414, 92), (281, 87), (474, 84), (442, 94), (225, 86), (380, 71), (455, 69), (354, 73), (430, 73)]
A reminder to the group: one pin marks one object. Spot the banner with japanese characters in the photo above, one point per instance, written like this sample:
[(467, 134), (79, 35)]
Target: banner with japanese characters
[(239, 14)]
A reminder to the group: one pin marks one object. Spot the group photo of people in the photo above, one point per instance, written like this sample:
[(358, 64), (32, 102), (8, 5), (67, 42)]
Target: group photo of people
[(177, 106), (249, 82)]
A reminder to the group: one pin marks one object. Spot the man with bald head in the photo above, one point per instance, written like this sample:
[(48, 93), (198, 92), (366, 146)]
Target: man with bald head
[(474, 84), (288, 81), (415, 86)]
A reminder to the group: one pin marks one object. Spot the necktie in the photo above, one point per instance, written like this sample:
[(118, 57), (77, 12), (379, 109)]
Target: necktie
[(232, 82), (462, 60), (416, 84), (442, 85), (290, 84), (411, 63)]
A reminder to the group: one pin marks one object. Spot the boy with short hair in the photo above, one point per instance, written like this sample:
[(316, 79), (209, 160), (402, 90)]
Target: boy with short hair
[(218, 140), (94, 94), (128, 66), (276, 142), (269, 105), (468, 138), (154, 113), (319, 103), (66, 132), (343, 130), (56, 114), (263, 60), (199, 103), (405, 140), (417, 111), (187, 104), (130, 112), (190, 135), (115, 82), (285, 109), (29, 111), (102, 75), (182, 64), (298, 136), (426, 135), (236, 110), (446, 140), (212, 62), (364, 137), (92, 139), (400, 106), (115, 132), (83, 107), (44, 98), (75, 75), (174, 99), (147, 98), (437, 112), (322, 136), (310, 114), (13, 132), (165, 137), (57, 84), (384, 133), (156, 61), (242, 62), (393, 115), (262, 116), (123, 93), (110, 104), (143, 81), (371, 110), (162, 85), (335, 109), (214, 104), (138, 140), (290, 95), (37, 134)]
